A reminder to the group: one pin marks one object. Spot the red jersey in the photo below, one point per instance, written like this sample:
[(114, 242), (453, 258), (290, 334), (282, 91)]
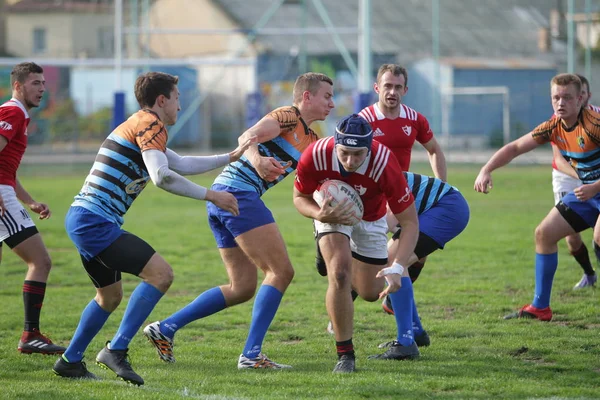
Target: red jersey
[(379, 180), (590, 107), (13, 126), (398, 134)]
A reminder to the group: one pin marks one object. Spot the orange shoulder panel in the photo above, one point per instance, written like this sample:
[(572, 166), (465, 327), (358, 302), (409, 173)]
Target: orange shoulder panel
[(591, 125), (543, 132), (287, 118)]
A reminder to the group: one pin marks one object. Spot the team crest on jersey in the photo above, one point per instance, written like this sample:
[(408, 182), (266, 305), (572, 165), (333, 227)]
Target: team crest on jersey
[(580, 141), (5, 126), (407, 129), (406, 196), (136, 186), (360, 189)]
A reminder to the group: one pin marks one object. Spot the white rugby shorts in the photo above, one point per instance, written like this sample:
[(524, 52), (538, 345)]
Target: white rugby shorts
[(15, 218), (562, 184), (367, 238)]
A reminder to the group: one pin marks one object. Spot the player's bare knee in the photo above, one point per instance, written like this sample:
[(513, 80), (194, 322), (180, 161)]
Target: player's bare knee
[(162, 278), (543, 234), (240, 294), (340, 278), (109, 302), (286, 275), (41, 265), (245, 296), (370, 296), (574, 242)]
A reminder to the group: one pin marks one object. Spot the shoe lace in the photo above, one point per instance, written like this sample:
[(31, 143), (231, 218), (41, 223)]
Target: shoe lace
[(123, 360), (386, 345), (265, 362)]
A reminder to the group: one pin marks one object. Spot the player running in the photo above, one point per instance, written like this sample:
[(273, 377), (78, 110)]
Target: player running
[(355, 255)]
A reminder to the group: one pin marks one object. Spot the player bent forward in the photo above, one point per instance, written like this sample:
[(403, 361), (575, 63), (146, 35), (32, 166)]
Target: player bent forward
[(133, 154), (356, 254), (443, 215)]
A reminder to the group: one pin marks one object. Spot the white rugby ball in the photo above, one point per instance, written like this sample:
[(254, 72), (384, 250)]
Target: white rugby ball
[(340, 191)]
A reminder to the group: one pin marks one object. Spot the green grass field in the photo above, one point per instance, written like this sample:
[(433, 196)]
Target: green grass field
[(462, 294)]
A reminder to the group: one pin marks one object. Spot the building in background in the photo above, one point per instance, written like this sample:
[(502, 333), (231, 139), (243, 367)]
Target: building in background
[(242, 56), (59, 29)]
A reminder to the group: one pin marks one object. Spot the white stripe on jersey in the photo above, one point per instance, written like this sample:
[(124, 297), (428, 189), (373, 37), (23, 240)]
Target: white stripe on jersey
[(320, 154), (380, 162), (367, 114), (408, 112), (375, 161), (594, 108), (373, 113)]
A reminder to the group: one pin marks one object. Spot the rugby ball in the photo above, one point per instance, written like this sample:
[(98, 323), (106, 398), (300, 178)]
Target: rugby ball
[(340, 191)]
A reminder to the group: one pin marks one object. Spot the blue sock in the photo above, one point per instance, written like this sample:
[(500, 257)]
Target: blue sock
[(141, 303), (92, 320), (545, 268), (208, 303), (402, 301), (265, 306), (416, 321)]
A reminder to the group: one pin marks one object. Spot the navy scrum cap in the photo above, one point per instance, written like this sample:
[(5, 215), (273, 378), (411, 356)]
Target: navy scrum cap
[(353, 131)]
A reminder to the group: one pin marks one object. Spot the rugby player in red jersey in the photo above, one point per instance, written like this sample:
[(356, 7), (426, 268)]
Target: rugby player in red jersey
[(17, 229), (356, 256)]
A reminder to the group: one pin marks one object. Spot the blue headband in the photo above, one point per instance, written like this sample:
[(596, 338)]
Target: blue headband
[(354, 131)]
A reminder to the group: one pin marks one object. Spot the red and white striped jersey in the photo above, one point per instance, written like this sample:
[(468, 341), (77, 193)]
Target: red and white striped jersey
[(379, 180), (398, 134), (14, 120), (594, 108)]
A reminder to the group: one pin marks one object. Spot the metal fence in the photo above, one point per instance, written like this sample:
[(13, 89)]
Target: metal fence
[(238, 59)]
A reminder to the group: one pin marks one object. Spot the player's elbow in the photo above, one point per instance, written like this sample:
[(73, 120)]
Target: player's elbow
[(163, 177)]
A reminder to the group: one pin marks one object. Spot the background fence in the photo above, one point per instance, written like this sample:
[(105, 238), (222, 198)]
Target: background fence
[(238, 59)]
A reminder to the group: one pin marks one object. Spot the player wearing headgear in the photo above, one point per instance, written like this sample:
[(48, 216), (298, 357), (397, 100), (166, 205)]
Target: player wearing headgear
[(356, 255)]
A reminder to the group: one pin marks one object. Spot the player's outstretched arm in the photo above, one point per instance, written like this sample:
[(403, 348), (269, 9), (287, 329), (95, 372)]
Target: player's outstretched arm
[(409, 221), (170, 181), (405, 251), (436, 159), (526, 143), (192, 165)]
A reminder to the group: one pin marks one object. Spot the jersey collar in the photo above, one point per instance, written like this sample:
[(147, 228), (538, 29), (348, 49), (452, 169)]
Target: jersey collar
[(380, 115), (337, 166), (21, 106)]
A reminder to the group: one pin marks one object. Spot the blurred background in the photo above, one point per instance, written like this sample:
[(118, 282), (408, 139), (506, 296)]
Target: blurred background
[(479, 70)]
